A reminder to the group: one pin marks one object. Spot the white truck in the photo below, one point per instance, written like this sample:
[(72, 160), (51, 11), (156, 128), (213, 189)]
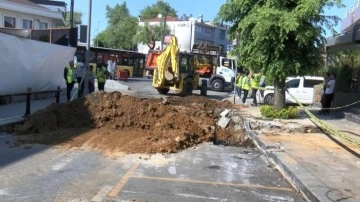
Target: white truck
[(216, 70)]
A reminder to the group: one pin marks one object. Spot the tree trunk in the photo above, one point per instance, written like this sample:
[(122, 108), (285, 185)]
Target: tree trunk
[(279, 93)]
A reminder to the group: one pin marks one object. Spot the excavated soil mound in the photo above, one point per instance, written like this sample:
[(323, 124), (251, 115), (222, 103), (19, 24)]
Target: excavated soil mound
[(112, 122)]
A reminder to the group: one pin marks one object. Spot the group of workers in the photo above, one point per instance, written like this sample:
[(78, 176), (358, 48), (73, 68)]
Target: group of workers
[(79, 74), (249, 80)]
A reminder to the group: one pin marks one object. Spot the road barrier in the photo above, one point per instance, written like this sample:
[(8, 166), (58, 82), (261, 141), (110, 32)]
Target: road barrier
[(28, 99), (325, 126)]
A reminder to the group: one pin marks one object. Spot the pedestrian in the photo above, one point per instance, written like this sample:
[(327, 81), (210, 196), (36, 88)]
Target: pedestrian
[(70, 78), (113, 69), (238, 84), (245, 86), (109, 68), (324, 88), (255, 83), (80, 67), (91, 79), (329, 94), (101, 74)]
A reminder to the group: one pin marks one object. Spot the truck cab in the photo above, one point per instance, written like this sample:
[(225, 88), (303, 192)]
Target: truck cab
[(218, 71), (224, 75)]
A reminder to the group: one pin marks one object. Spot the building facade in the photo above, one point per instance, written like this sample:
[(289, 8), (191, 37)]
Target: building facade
[(190, 31), (24, 14)]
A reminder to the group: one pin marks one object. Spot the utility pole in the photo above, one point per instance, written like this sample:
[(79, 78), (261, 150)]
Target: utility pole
[(163, 39), (72, 14), (160, 15), (87, 56), (98, 31)]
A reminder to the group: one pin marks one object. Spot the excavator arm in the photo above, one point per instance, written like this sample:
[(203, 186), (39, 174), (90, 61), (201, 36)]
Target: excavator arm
[(163, 72)]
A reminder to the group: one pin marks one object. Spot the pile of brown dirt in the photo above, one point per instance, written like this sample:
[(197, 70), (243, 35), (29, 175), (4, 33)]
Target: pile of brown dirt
[(112, 122)]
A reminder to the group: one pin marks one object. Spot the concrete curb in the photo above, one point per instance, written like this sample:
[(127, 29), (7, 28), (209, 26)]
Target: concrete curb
[(11, 120), (283, 169)]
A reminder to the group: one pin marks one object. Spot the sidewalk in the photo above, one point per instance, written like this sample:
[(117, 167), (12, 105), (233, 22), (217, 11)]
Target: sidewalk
[(322, 167)]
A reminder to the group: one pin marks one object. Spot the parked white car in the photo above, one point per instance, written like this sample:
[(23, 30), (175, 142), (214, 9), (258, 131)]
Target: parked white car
[(301, 87)]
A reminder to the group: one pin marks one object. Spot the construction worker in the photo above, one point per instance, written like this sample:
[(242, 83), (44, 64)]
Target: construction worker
[(91, 79), (245, 86), (101, 74), (262, 85), (80, 76), (238, 84), (70, 78), (255, 83)]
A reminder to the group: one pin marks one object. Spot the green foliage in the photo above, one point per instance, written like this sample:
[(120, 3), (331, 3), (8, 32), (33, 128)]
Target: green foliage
[(284, 113), (160, 7), (282, 38), (77, 19), (344, 76), (121, 27), (345, 65), (148, 34)]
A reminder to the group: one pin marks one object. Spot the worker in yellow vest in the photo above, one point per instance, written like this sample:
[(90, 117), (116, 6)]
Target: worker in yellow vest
[(255, 83), (70, 78), (245, 85), (238, 84), (101, 74)]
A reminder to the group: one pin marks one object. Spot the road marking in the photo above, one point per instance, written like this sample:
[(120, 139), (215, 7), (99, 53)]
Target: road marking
[(117, 188), (213, 183), (100, 196), (61, 165), (3, 192), (200, 197), (172, 170)]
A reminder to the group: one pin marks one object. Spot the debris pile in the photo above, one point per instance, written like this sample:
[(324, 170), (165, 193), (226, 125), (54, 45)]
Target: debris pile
[(116, 123)]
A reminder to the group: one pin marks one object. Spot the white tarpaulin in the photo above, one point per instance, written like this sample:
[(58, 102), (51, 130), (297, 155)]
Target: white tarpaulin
[(26, 63)]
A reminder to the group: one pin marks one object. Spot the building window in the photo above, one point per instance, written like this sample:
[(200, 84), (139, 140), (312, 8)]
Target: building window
[(222, 34), (9, 22), (27, 24), (43, 25)]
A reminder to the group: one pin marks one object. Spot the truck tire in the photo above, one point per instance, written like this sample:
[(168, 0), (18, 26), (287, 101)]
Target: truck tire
[(203, 88), (269, 99), (163, 91), (187, 87), (217, 85)]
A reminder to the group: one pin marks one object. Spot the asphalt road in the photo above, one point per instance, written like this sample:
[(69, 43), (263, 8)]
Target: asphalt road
[(204, 173), (142, 87)]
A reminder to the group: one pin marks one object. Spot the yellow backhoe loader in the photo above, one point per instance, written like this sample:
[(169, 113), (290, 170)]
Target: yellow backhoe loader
[(174, 70)]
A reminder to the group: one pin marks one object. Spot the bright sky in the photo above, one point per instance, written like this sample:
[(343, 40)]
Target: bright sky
[(208, 8)]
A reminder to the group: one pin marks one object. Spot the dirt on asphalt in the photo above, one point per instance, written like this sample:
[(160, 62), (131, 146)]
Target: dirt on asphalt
[(116, 123)]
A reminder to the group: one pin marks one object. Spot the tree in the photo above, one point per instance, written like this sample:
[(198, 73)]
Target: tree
[(160, 7), (120, 30), (149, 34), (345, 64), (281, 38), (77, 19)]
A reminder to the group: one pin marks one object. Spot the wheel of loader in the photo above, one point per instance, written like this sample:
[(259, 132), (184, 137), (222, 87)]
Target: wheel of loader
[(163, 91), (187, 87)]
